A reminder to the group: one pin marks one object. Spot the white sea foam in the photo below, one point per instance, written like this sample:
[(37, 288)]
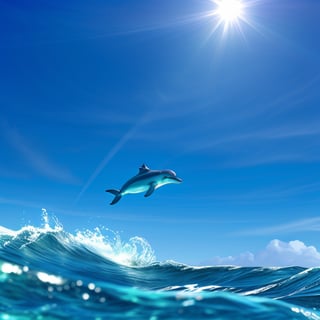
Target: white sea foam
[(101, 241), (135, 252), (8, 232)]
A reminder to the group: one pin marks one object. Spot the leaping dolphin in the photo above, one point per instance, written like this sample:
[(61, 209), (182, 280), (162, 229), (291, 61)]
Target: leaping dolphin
[(146, 180)]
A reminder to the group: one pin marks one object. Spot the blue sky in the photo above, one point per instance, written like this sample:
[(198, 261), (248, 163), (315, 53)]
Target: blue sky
[(91, 90)]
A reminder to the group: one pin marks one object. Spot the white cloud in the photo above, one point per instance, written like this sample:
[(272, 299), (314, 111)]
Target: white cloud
[(276, 254)]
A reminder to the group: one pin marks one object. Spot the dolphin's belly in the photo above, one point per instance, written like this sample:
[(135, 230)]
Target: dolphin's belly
[(136, 187)]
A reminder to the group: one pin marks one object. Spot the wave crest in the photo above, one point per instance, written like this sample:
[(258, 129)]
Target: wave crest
[(50, 240)]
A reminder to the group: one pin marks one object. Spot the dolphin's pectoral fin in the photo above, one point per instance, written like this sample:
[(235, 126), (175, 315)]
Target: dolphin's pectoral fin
[(150, 190)]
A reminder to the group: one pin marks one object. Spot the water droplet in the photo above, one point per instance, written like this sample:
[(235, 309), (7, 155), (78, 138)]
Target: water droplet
[(79, 283), (91, 286), (102, 299), (86, 296)]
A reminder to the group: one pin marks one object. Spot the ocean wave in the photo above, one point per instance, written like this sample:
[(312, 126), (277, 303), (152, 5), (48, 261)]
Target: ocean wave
[(26, 294), (46, 272), (51, 240)]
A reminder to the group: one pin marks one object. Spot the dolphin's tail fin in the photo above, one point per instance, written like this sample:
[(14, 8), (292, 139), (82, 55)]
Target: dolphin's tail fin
[(117, 195)]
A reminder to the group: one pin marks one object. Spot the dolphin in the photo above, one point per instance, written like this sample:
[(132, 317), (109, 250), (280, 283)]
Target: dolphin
[(145, 181)]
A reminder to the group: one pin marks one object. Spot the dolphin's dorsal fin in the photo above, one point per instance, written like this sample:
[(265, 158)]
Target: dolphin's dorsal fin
[(143, 169)]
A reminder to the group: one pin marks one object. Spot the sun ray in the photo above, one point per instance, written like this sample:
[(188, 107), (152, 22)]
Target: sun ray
[(230, 15), (229, 10)]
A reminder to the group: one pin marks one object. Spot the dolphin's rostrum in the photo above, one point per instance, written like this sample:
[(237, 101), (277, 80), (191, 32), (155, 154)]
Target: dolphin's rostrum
[(145, 181)]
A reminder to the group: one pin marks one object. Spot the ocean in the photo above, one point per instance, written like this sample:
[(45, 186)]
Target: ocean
[(48, 273)]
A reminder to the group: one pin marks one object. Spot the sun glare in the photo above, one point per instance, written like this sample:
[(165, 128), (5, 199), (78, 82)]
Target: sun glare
[(229, 10), (229, 13)]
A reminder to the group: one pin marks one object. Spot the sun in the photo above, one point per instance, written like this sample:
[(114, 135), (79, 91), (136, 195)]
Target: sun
[(229, 11)]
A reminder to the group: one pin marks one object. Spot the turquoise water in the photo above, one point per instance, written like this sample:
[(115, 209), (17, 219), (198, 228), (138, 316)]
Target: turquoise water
[(48, 273)]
